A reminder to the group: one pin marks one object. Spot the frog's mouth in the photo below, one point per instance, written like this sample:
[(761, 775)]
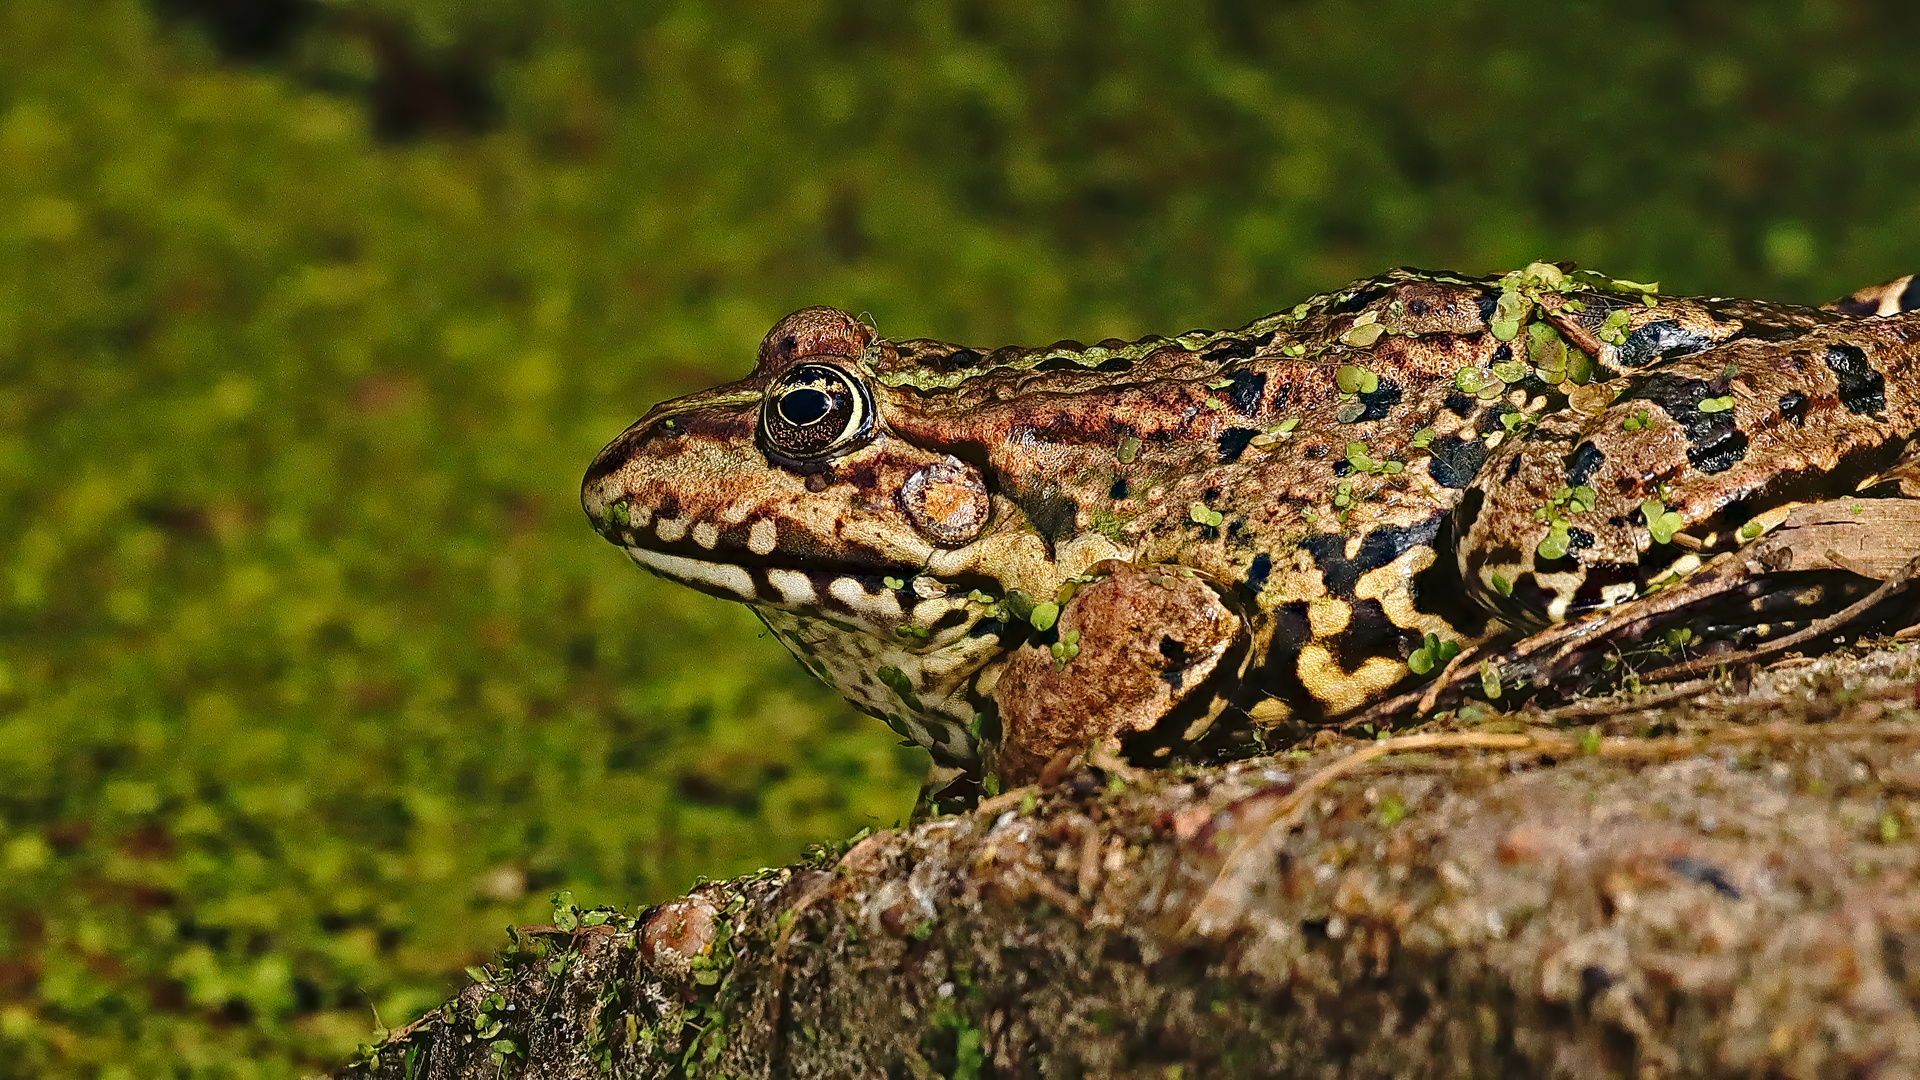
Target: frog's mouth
[(751, 561), (887, 597)]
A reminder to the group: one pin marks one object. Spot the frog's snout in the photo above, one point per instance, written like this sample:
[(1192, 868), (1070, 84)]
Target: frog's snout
[(665, 480), (606, 492)]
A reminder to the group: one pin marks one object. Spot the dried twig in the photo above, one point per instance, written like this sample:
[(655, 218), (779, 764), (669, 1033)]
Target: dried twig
[(1899, 580), (1006, 800), (1611, 706)]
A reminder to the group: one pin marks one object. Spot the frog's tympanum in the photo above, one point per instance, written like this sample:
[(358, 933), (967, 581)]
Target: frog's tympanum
[(1195, 546)]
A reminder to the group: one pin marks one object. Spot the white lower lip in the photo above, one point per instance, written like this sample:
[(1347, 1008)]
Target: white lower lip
[(883, 605), (732, 579), (794, 586)]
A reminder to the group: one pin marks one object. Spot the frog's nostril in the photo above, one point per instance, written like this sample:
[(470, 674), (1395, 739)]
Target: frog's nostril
[(605, 465)]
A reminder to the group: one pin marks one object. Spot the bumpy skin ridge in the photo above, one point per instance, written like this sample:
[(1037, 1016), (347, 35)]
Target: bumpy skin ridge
[(1417, 462)]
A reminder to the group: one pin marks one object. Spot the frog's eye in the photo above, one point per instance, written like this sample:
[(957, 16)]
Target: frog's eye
[(815, 411)]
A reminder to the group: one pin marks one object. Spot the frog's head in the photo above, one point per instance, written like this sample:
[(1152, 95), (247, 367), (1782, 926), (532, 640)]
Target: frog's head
[(811, 491), (793, 468)]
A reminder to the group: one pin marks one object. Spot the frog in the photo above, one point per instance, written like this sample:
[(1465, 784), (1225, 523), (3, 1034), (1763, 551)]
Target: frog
[(1213, 544)]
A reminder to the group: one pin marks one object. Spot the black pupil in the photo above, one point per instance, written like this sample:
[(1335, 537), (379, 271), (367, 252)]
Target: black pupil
[(804, 405)]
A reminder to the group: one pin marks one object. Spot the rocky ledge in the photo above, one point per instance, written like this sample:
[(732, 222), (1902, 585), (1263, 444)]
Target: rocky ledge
[(1720, 880)]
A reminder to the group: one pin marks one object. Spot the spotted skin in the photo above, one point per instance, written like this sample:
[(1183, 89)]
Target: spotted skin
[(1759, 414), (1416, 463)]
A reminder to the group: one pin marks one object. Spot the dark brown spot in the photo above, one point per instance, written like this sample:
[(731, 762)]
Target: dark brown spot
[(957, 360), (1077, 362), (1659, 340), (1329, 551), (1455, 460), (1238, 349), (1597, 576), (1381, 400), (1357, 299), (1258, 571), (1715, 442), (1862, 389), (1279, 676), (1585, 460), (1388, 542), (1233, 442), (1369, 634), (1793, 406), (1175, 652), (1247, 390)]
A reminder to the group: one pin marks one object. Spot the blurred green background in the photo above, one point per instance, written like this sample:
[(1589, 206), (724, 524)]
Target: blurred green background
[(312, 676)]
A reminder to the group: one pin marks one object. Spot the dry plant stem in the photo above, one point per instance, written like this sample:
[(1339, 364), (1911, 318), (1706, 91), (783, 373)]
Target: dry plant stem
[(1724, 573), (1709, 582), (1216, 907), (1107, 761), (1420, 702), (1006, 800), (1576, 334), (1597, 709), (1431, 695), (1838, 619)]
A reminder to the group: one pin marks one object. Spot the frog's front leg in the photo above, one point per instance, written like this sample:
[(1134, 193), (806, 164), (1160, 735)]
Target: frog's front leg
[(1141, 661)]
